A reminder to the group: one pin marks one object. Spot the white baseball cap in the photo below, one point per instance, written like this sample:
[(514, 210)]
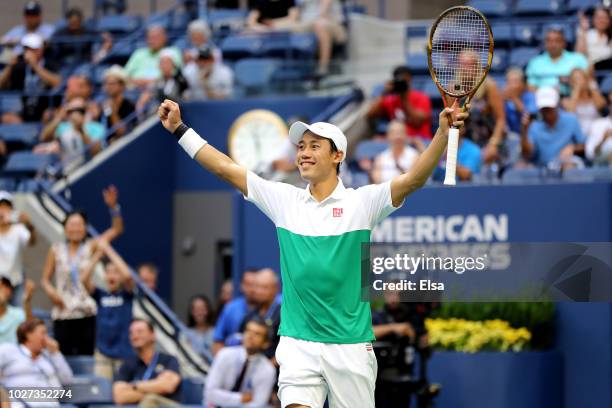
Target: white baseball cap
[(323, 129), (547, 97), (6, 196), (32, 40)]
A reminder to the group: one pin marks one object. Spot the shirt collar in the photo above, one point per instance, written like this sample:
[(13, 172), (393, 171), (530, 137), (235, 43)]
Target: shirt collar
[(25, 350), (338, 193)]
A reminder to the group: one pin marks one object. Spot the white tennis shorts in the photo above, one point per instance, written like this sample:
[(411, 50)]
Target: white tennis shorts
[(311, 371)]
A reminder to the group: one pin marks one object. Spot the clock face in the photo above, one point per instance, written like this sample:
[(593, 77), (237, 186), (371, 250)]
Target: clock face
[(255, 137)]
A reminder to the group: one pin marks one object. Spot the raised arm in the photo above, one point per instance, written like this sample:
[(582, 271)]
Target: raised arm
[(207, 156), (405, 184), (90, 268), (46, 284), (124, 269), (111, 197)]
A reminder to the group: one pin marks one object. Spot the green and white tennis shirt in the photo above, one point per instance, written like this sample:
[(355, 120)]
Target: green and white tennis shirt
[(320, 249)]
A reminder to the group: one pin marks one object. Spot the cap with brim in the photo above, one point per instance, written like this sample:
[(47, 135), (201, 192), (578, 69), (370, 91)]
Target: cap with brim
[(116, 71), (323, 129), (547, 98), (32, 40), (6, 196), (205, 52), (32, 8)]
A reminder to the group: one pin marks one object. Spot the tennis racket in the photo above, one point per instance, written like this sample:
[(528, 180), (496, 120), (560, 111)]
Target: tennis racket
[(459, 54)]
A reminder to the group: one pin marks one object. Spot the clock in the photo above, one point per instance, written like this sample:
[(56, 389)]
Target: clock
[(255, 137)]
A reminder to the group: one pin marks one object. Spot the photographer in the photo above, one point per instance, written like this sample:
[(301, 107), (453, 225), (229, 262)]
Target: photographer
[(400, 101)]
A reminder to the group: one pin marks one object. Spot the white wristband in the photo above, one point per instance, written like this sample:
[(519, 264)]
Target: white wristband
[(191, 142)]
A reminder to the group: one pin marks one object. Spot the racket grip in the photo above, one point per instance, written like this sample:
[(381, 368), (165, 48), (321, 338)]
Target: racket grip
[(450, 178)]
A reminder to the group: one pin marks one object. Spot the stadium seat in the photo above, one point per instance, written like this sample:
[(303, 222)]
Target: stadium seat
[(537, 7), (503, 33), (573, 6), (28, 164), (242, 46), (490, 8), (227, 19), (606, 84), (588, 175), (118, 24), (81, 365), (519, 57), (255, 74), (417, 63), (7, 184), (522, 176), (378, 90), (303, 45), (500, 60), (91, 390), (10, 102), (192, 390), (432, 91), (368, 149), (19, 136), (526, 33)]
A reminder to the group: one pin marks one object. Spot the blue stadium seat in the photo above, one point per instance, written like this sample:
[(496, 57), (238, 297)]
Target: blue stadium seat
[(526, 33), (91, 390), (432, 91), (122, 50), (503, 33), (7, 184), (28, 164), (368, 149), (588, 174), (303, 45), (490, 8), (276, 45), (522, 176), (417, 63), (500, 60), (119, 24), (537, 7), (519, 57), (242, 46), (81, 365), (22, 135), (378, 90), (10, 102), (573, 6), (222, 19), (256, 74), (606, 85), (192, 390)]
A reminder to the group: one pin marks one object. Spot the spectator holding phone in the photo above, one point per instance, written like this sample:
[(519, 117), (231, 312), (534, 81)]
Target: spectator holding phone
[(400, 101), (585, 100), (596, 42)]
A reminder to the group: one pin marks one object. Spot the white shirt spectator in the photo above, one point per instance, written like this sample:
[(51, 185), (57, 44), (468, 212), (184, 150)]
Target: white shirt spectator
[(18, 369), (12, 244), (259, 379), (15, 34), (599, 47), (220, 81), (597, 133), (390, 168)]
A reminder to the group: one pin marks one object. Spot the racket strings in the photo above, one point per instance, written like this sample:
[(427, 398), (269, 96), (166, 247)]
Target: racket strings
[(460, 51)]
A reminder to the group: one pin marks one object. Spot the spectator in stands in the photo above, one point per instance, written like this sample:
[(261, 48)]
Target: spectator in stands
[(268, 15), (36, 362), (16, 232), (200, 321), (225, 296), (208, 78), (398, 158), (74, 43), (469, 160), (242, 376), (74, 309), (400, 101), (33, 75), (268, 307), (148, 273), (596, 42), (72, 135), (116, 108), (557, 138), (598, 147), (235, 311), (114, 309), (170, 85), (11, 316), (553, 67), (151, 378), (32, 24), (143, 67), (517, 99), (585, 100), (199, 34), (80, 86)]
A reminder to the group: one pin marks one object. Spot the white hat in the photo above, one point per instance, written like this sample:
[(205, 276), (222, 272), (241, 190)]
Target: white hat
[(547, 97), (171, 53), (32, 40), (323, 129), (6, 196), (116, 71)]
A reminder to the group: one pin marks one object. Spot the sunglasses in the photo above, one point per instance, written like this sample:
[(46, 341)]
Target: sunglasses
[(79, 110)]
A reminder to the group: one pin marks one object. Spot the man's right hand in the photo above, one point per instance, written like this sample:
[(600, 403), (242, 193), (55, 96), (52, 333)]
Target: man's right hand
[(170, 115), (246, 397)]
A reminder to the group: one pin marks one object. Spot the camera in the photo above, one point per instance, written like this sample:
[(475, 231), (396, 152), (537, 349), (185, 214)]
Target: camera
[(400, 86)]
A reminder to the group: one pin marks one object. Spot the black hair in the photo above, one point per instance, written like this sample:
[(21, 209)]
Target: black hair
[(74, 11), (401, 70), (209, 318), (556, 29), (334, 149), (260, 321), (26, 328), (75, 212), (149, 265), (147, 322), (4, 281)]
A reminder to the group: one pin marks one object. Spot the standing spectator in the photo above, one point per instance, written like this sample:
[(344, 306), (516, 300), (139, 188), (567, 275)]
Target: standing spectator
[(36, 362), (73, 44), (585, 100), (32, 24), (199, 34), (596, 42), (33, 75), (151, 378), (201, 325), (225, 296), (74, 309), (242, 376), (552, 68), (170, 85), (16, 232), (598, 147), (148, 273), (267, 15), (398, 158), (400, 101), (10, 316), (235, 311), (554, 140), (115, 106), (143, 67), (207, 78), (114, 310), (518, 100)]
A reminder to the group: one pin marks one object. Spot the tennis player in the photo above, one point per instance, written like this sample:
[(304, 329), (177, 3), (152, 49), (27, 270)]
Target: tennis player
[(325, 348)]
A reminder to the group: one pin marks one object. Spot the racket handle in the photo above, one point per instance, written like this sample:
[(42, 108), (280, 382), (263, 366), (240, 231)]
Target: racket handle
[(450, 178)]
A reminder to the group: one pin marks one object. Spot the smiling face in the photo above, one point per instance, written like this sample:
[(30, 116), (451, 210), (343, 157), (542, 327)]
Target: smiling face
[(315, 158), (141, 335), (75, 228), (112, 277), (554, 43)]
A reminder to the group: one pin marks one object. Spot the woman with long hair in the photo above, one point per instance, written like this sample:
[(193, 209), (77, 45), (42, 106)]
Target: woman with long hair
[(585, 100), (201, 324)]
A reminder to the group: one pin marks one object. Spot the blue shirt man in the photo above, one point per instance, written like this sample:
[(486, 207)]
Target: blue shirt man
[(513, 115), (469, 156)]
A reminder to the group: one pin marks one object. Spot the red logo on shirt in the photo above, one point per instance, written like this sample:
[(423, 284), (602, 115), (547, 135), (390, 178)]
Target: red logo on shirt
[(337, 212)]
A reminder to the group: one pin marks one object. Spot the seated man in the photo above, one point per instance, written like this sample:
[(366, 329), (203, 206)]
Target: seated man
[(36, 361), (32, 23), (10, 316), (242, 376), (400, 101), (553, 67), (554, 140), (151, 378), (207, 77), (398, 158), (115, 106), (198, 36)]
